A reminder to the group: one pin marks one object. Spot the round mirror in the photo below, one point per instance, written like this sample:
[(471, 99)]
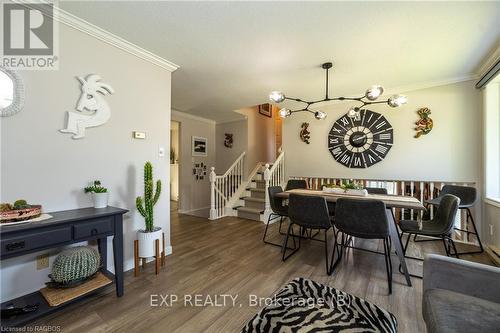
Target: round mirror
[(11, 92)]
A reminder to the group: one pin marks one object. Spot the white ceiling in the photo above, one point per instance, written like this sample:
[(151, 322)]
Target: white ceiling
[(231, 54)]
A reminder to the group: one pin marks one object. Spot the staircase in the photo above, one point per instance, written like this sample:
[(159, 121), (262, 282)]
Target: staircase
[(253, 203), (248, 198)]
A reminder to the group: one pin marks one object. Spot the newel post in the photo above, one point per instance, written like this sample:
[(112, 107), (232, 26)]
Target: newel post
[(267, 177), (213, 212)]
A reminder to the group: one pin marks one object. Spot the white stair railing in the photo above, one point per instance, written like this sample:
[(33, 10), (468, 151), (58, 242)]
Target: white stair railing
[(223, 187), (274, 176)]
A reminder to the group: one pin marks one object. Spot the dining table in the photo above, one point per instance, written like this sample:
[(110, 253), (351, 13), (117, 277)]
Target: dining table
[(390, 201)]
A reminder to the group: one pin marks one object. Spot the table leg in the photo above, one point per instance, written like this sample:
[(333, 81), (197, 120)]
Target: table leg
[(118, 255), (393, 229), (102, 246)]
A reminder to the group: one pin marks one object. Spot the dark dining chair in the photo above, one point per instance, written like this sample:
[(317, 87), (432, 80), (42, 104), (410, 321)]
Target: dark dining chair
[(441, 226), (278, 210), (468, 198), (293, 184), (365, 219), (307, 212), (376, 190)]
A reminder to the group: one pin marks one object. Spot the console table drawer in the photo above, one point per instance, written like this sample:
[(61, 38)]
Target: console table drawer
[(97, 227), (40, 239)]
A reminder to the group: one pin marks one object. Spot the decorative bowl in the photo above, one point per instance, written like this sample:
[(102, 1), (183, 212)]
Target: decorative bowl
[(16, 215)]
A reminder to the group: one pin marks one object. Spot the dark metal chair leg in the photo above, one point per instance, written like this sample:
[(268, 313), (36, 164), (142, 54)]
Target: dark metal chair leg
[(285, 244), (388, 264), (326, 251)]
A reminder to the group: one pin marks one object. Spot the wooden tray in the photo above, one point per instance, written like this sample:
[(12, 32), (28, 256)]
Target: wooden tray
[(16, 215), (56, 296)]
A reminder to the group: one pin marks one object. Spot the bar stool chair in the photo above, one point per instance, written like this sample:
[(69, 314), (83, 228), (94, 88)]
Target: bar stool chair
[(278, 210), (468, 198), (440, 226), (293, 184), (363, 219), (307, 212)]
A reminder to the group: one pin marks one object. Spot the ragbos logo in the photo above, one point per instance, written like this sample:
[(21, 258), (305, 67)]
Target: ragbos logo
[(29, 36)]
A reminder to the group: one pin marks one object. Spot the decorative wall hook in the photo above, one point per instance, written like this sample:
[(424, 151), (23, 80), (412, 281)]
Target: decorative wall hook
[(305, 135), (425, 124)]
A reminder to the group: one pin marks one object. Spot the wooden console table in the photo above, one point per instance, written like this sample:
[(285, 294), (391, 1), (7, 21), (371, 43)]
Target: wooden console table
[(65, 227)]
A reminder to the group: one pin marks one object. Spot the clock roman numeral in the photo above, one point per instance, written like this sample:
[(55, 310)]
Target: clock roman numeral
[(357, 161), (385, 136), (381, 124), (334, 140), (381, 149), (336, 151), (344, 121)]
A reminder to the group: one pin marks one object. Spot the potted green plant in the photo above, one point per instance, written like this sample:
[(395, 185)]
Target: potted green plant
[(99, 194), (145, 207)]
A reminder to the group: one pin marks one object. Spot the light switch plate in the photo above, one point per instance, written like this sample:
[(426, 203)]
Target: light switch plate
[(139, 135)]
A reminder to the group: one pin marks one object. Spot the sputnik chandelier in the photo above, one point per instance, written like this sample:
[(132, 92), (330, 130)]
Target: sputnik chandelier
[(370, 97)]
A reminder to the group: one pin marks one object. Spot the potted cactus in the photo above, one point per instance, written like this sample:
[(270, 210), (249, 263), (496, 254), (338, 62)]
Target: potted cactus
[(99, 194), (145, 207)]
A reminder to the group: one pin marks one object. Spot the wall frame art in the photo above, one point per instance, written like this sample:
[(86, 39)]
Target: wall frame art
[(199, 146)]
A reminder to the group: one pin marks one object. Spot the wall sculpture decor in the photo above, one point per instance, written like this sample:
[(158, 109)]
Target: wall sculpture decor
[(228, 140), (425, 124), (92, 109), (305, 135), (362, 141), (11, 92), (199, 171)]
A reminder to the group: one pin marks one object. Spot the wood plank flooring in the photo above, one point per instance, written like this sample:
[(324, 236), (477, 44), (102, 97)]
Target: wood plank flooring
[(228, 257)]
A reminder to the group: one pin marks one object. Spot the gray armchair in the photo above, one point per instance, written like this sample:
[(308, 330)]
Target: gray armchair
[(460, 296)]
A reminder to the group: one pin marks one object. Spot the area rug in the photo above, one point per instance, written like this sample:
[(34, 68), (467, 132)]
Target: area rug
[(304, 305)]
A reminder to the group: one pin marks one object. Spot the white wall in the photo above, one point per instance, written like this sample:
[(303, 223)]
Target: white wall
[(194, 195), (46, 167), (451, 152), (226, 156), (261, 137)]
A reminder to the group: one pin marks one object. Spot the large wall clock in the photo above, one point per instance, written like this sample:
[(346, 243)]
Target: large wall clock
[(361, 141)]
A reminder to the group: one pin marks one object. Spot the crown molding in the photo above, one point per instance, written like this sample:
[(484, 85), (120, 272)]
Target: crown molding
[(432, 84), (176, 113), (489, 61), (90, 29), (245, 118)]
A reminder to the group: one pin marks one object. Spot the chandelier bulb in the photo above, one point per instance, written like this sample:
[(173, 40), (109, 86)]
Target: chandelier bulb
[(397, 100), (320, 115), (276, 96), (374, 92), (284, 113)]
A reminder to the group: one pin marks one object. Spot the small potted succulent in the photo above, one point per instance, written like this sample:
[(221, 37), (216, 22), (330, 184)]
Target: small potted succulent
[(99, 194), (150, 234)]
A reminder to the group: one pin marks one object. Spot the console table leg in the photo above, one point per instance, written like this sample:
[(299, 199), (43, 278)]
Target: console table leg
[(136, 257), (157, 257), (102, 246), (118, 255)]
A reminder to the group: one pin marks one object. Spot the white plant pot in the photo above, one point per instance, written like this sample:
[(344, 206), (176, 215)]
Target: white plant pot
[(100, 200), (147, 242)]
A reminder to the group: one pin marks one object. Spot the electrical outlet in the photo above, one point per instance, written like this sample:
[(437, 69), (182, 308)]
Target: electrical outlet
[(491, 229), (42, 261)]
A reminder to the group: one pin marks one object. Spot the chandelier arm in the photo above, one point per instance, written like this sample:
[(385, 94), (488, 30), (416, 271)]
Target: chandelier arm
[(296, 100)]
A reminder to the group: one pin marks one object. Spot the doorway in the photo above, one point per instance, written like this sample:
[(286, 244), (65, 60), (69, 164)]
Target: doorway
[(174, 165)]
